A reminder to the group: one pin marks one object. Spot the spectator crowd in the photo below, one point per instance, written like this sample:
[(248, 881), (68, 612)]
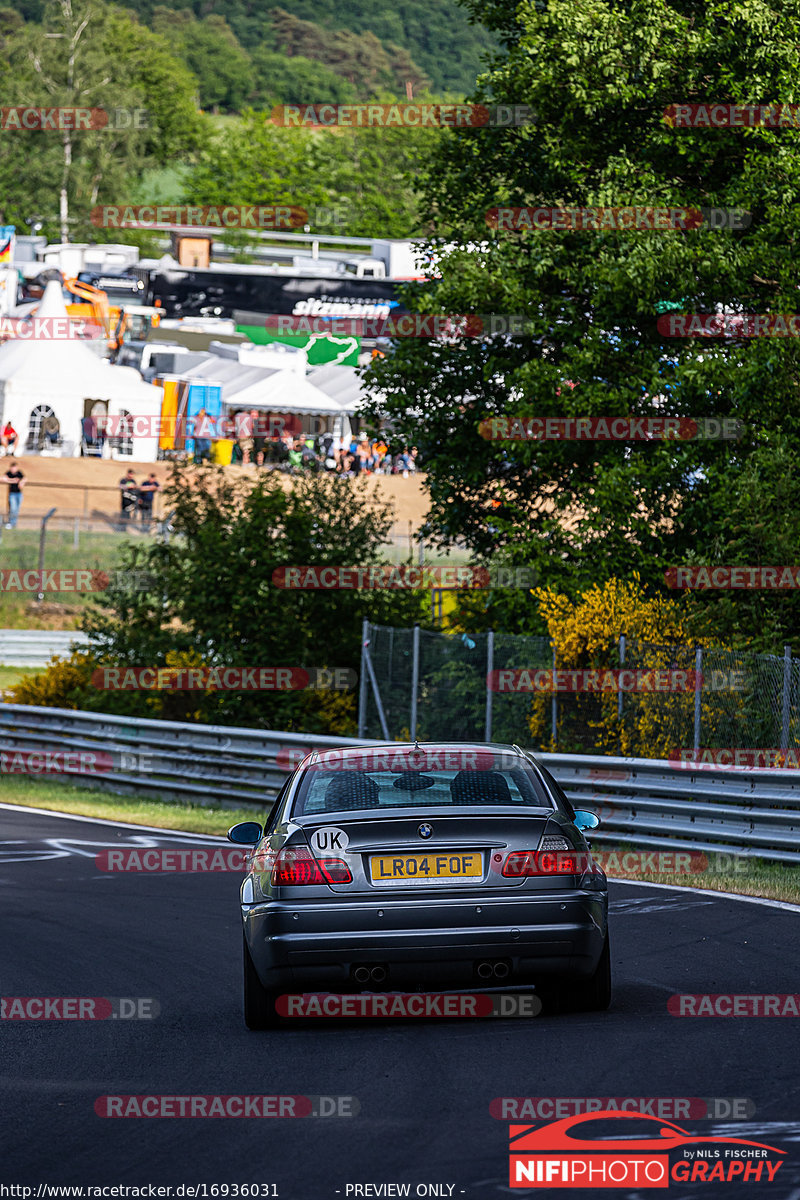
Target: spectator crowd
[(351, 456)]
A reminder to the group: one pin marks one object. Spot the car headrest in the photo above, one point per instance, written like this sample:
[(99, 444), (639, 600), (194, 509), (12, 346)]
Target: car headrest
[(351, 789), (480, 787)]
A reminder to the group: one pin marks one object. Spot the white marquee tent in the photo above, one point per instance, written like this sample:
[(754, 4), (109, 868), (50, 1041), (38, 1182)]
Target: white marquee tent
[(48, 385)]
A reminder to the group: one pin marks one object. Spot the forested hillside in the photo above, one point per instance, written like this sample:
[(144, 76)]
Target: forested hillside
[(255, 48)]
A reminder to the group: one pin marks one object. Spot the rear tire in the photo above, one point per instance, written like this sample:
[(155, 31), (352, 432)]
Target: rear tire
[(259, 1002), (581, 995), (593, 994)]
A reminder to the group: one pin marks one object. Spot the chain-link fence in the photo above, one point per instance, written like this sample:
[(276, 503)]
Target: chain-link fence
[(644, 700)]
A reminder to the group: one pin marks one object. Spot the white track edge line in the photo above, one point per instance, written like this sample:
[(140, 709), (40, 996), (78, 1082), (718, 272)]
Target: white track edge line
[(49, 812), (678, 887), (670, 887)]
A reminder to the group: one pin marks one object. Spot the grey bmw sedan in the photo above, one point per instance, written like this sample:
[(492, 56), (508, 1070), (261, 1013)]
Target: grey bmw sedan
[(403, 867)]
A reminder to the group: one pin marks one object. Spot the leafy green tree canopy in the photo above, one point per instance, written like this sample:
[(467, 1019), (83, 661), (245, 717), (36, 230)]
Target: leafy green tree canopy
[(213, 599), (599, 78)]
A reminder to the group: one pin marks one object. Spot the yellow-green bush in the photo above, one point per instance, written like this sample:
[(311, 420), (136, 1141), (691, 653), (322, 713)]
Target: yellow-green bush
[(64, 683), (585, 634)]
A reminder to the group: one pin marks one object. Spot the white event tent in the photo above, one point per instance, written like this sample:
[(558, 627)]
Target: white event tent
[(246, 387), (48, 385)]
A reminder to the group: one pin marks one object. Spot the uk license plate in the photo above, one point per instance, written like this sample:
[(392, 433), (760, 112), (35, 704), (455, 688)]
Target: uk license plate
[(420, 868)]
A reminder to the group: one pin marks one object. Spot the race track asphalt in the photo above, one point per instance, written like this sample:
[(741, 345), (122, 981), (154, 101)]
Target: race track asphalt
[(424, 1088)]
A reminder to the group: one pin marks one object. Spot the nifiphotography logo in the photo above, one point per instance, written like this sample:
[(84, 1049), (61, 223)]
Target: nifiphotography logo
[(585, 1151)]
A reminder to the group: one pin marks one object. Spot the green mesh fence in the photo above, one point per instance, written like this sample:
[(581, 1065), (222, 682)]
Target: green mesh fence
[(738, 700)]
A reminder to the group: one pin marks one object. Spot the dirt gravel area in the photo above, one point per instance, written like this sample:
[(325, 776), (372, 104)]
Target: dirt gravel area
[(88, 488)]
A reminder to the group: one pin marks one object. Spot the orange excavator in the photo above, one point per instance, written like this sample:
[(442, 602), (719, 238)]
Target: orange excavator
[(88, 303)]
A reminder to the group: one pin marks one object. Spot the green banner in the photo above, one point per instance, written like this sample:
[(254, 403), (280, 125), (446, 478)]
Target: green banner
[(320, 347)]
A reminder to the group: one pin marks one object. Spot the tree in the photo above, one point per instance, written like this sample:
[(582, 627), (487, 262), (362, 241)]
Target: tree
[(283, 80), (256, 162), (91, 55), (759, 526), (366, 173), (212, 599), (360, 58), (212, 52), (599, 78), (436, 35)]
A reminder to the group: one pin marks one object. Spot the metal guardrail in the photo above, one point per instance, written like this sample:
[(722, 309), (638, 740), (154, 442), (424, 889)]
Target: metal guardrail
[(643, 801), (35, 647)]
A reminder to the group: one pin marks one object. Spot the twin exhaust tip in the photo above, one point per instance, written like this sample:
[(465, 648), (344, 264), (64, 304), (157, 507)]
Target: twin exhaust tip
[(369, 974), (496, 970), (485, 969)]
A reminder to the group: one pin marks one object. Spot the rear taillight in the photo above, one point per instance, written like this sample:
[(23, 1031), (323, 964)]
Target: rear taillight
[(295, 866), (545, 862)]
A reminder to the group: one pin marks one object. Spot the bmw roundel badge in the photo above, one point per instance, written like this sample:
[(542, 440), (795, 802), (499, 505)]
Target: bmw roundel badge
[(425, 830)]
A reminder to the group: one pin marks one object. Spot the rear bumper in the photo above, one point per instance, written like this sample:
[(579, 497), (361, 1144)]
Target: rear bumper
[(318, 945)]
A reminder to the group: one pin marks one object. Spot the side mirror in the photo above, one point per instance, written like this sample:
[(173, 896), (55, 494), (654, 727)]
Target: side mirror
[(246, 833), (585, 819)]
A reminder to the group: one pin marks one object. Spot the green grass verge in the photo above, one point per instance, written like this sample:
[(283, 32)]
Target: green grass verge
[(11, 675), (724, 873), (85, 802), (60, 610), (746, 877)]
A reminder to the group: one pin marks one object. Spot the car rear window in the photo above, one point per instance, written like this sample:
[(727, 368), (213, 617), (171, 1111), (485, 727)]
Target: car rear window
[(324, 790)]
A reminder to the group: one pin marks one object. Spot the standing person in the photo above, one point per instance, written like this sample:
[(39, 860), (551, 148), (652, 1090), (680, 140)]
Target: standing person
[(260, 426), (8, 439), (147, 493), (244, 434), (129, 497), (16, 482), (202, 440)]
